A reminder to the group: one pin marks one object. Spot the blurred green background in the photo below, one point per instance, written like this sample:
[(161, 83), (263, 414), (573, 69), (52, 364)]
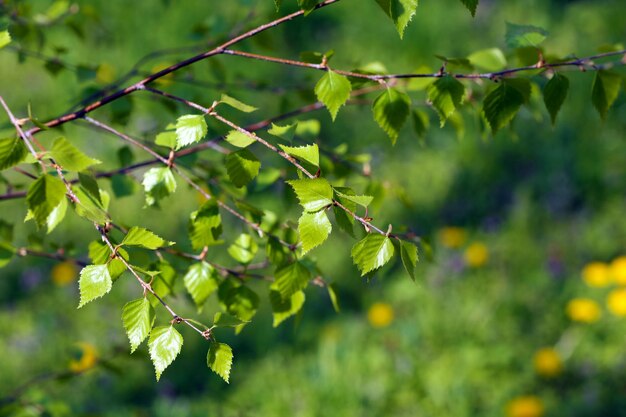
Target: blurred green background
[(520, 225)]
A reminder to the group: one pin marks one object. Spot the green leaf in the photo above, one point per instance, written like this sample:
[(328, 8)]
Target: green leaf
[(239, 139), (89, 208), (5, 38), (503, 103), (69, 157), (408, 253), (89, 185), (167, 139), (138, 236), (190, 128), (43, 196), (314, 193), (446, 94), (333, 90), (243, 249), (314, 229), (163, 283), (220, 359), (283, 132), (205, 226), (332, 293), (236, 104), (605, 91), (164, 345), (491, 59), (238, 300), (57, 215), (361, 200), (138, 318), (391, 110), (291, 279), (400, 11), (307, 5), (12, 152), (242, 167), (283, 309), (158, 183), (308, 153), (518, 36), (201, 281), (471, 6), (554, 94), (372, 252), (226, 320), (94, 282)]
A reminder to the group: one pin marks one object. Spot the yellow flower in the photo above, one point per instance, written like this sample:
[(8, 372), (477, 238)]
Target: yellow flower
[(583, 310), (380, 315), (616, 302), (547, 362), (476, 255), (596, 274), (618, 270), (452, 237), (64, 273), (527, 406), (87, 358)]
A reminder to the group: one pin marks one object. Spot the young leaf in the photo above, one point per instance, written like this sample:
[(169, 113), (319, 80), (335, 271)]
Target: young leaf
[(56, 215), (314, 229), (518, 36), (284, 132), (372, 252), (138, 318), (164, 345), (491, 59), (605, 90), (163, 283), (243, 249), (220, 359), (43, 196), (5, 38), (242, 167), (201, 281), (89, 185), (283, 309), (238, 300), (138, 236), (400, 11), (308, 153), (226, 320), (471, 6), (69, 157), (190, 128), (391, 110), (89, 208), (333, 90), (314, 193), (205, 226), (361, 200), (554, 94), (94, 282), (12, 152), (239, 139), (158, 183), (446, 94), (291, 279), (167, 139), (503, 103), (408, 253), (236, 104)]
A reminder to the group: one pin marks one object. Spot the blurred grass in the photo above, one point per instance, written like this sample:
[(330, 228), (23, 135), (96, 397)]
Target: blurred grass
[(544, 201)]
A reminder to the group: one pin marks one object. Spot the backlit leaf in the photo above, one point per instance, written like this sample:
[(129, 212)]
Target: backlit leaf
[(491, 59), (518, 36), (314, 193), (220, 359), (446, 94), (94, 282), (333, 90), (138, 318), (314, 229), (12, 152), (605, 90), (554, 94), (283, 309), (158, 183), (236, 104), (43, 196), (190, 128), (290, 279), (308, 153), (400, 11), (242, 167), (243, 249), (205, 226), (164, 345), (408, 253), (226, 320), (372, 252), (239, 139), (5, 38), (503, 103), (201, 281), (138, 236), (69, 157)]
